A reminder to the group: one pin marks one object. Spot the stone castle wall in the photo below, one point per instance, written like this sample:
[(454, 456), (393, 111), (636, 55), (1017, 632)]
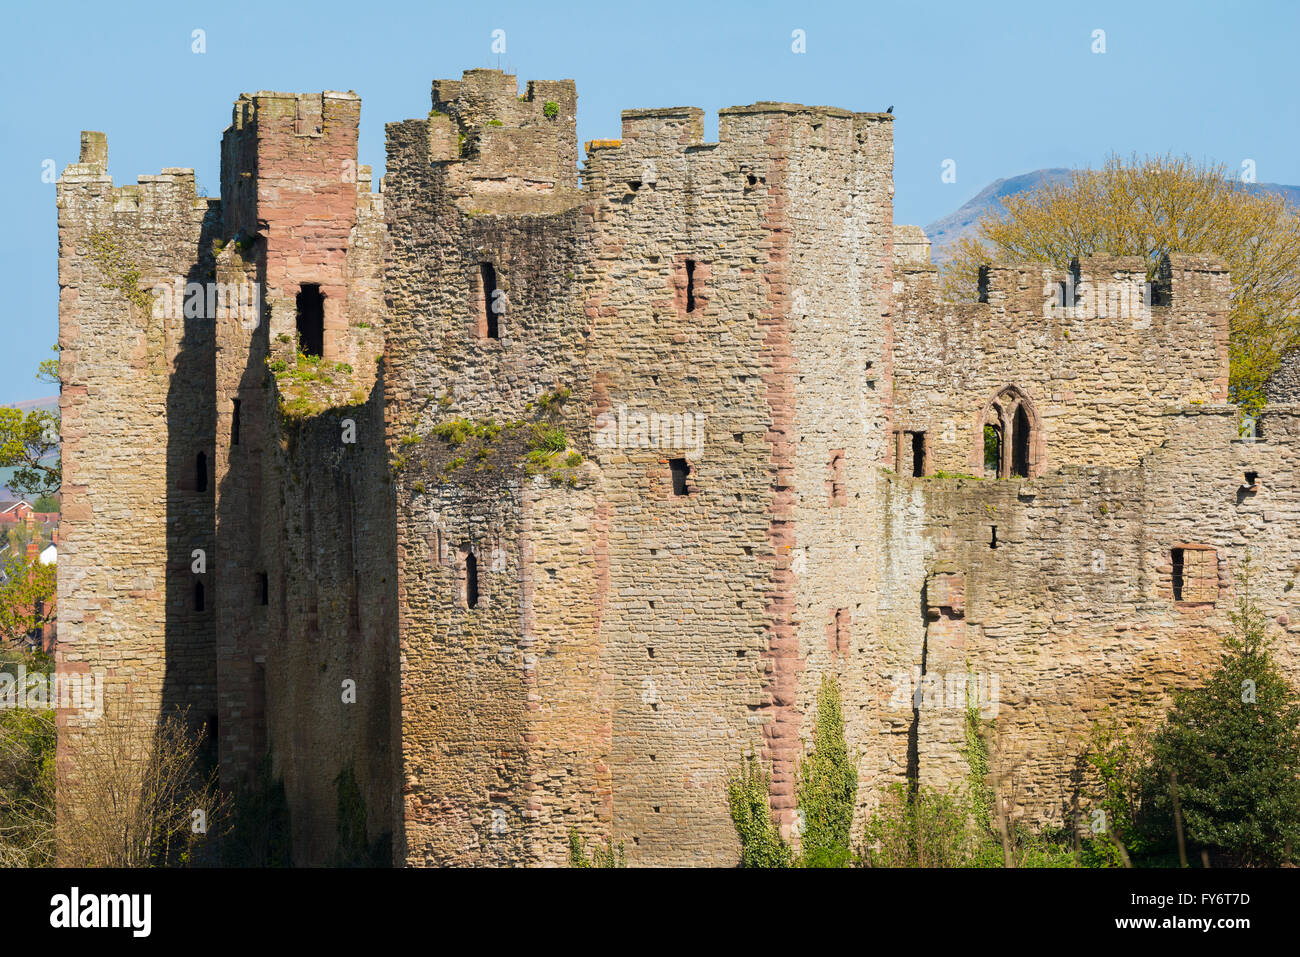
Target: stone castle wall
[(134, 509), (304, 501), (739, 350), (1074, 611), (1097, 374)]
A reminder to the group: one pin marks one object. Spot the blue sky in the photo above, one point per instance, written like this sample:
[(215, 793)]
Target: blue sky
[(999, 88)]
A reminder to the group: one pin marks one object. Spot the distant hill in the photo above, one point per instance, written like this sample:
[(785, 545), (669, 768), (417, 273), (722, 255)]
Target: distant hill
[(947, 230), (50, 404)]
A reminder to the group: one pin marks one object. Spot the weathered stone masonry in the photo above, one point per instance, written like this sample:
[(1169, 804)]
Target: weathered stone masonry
[(774, 469)]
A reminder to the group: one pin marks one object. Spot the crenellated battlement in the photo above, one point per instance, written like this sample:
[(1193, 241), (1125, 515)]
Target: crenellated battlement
[(1185, 290), (86, 190)]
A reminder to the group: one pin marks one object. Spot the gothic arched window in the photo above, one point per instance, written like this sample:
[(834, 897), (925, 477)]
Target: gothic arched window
[(1010, 436)]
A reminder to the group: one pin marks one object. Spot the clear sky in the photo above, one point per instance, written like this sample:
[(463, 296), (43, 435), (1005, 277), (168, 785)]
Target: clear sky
[(998, 88)]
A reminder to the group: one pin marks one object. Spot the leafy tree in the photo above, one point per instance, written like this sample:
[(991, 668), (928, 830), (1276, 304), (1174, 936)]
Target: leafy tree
[(1233, 744), (828, 786), (1150, 207), (27, 590), (48, 370), (29, 442), (45, 503), (761, 844), (1120, 761)]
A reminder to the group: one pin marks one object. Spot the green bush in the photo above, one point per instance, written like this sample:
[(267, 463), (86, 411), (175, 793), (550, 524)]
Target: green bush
[(760, 839), (1119, 760), (828, 787), (259, 836), (921, 827), (27, 745), (610, 855)]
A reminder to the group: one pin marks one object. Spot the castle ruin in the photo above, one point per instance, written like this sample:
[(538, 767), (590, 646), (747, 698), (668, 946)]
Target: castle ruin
[(532, 496)]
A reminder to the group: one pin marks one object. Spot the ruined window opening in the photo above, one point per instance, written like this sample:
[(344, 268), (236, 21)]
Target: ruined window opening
[(983, 284), (311, 320), (199, 603), (992, 450), (492, 305), (918, 455), (993, 539), (201, 472), (1070, 292), (234, 422), (210, 733), (471, 578), (264, 587), (680, 470), (1177, 556), (690, 285), (1011, 444), (1020, 436)]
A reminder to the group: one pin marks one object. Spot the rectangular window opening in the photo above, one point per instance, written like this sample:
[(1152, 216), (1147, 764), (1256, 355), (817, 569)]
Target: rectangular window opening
[(469, 576), (311, 320), (471, 580), (918, 455), (680, 469), (493, 305), (1177, 556), (234, 422), (690, 285), (264, 587)]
